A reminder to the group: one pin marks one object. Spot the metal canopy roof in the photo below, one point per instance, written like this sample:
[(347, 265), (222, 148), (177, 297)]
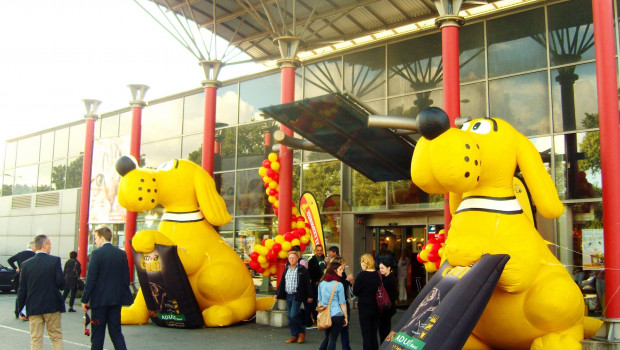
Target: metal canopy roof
[(339, 125), (251, 25)]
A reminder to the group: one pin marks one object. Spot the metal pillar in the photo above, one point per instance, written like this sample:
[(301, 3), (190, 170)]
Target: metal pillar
[(137, 104), (91, 117), (211, 69)]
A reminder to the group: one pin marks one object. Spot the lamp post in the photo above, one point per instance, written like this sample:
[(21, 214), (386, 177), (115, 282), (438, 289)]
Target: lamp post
[(137, 103), (91, 117)]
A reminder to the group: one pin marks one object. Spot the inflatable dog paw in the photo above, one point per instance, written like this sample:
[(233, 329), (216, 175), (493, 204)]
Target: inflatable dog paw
[(220, 282), (536, 304)]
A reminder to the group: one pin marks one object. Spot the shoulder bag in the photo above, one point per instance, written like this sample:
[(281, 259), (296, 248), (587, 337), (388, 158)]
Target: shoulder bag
[(79, 283), (383, 299), (324, 317)]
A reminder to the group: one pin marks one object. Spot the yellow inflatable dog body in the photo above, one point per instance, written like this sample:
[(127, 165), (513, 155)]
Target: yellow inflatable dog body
[(536, 304), (220, 280)]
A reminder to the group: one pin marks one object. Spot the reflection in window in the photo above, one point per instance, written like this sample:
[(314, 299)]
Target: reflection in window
[(124, 127), (109, 126), (365, 74), (193, 113), (7, 182), (74, 172), (522, 101), (44, 182), (77, 137), (61, 143), (573, 94), (226, 110), (227, 234), (192, 148), (323, 78), (471, 46), (331, 229), (251, 196), (162, 121), (251, 231), (473, 100), (9, 154), (225, 141), (405, 194), (225, 182), (26, 179), (257, 93), (409, 106), (580, 225), (367, 195), (160, 152), (252, 149), (512, 42), (47, 147), (28, 150), (59, 174), (578, 174), (322, 180), (415, 70), (570, 40)]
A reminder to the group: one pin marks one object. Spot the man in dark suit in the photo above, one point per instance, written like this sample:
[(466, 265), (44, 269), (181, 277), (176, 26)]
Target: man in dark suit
[(39, 290), (19, 258), (106, 290)]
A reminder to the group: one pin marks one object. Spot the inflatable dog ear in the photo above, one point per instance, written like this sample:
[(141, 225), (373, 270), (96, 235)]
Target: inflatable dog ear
[(211, 203), (542, 188)]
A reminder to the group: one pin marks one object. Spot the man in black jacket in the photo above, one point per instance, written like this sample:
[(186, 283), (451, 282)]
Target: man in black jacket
[(106, 290), (295, 287), (40, 281), (19, 258)]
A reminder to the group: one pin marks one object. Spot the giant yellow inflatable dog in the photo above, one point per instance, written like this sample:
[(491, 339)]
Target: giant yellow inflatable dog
[(221, 282), (536, 304)]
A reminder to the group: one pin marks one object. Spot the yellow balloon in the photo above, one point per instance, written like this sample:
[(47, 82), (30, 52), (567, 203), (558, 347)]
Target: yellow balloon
[(295, 242), (273, 184), (279, 239), (429, 247), (424, 255), (440, 252), (295, 211), (264, 265), (269, 243), (262, 172), (301, 224), (305, 239), (266, 179), (430, 267), (261, 259), (265, 273), (260, 249), (271, 199), (276, 204), (272, 157), (286, 246), (267, 190), (273, 269), (275, 166), (282, 254)]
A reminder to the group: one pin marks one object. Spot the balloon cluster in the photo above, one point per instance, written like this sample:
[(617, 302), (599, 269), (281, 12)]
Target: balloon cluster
[(432, 252), (265, 255)]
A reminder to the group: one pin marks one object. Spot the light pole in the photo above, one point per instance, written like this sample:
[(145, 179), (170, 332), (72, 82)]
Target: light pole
[(90, 117)]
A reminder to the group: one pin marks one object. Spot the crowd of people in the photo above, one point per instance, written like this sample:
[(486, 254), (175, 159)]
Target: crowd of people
[(41, 278), (324, 282)]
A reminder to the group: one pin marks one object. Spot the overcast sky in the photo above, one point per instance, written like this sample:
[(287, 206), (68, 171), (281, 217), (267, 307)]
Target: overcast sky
[(56, 53)]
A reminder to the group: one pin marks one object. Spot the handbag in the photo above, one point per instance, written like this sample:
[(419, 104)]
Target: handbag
[(80, 284), (324, 317), (383, 299)]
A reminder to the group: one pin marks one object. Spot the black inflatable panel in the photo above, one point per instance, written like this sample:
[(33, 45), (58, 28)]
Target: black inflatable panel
[(446, 311), (166, 289)]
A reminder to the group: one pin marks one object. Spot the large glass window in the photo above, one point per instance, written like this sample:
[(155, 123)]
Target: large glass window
[(251, 231), (415, 65), (192, 148), (226, 108), (573, 93), (471, 59), (47, 147), (193, 113), (410, 105), (74, 172), (7, 182), (162, 121), (251, 148), (124, 126), (405, 194), (160, 152), (322, 180), (26, 179), (9, 155), (256, 93), (225, 149), (251, 196), (44, 182), (473, 100), (517, 43), (522, 101), (365, 74), (28, 150), (571, 34), (226, 184), (59, 174), (109, 126), (323, 78), (367, 195), (61, 143), (578, 164), (77, 139)]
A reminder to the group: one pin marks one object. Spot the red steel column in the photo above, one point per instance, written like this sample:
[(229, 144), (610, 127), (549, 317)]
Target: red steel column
[(137, 104), (606, 73), (208, 136), (450, 26), (86, 175), (286, 156)]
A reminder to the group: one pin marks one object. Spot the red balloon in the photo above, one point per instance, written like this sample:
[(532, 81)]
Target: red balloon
[(441, 238), (275, 211), (277, 247), (302, 246), (433, 256), (267, 163), (266, 185), (417, 257), (264, 240), (254, 265), (254, 255), (275, 177), (272, 256), (436, 248), (260, 269), (300, 218), (273, 192), (438, 263), (432, 241), (288, 237), (270, 172)]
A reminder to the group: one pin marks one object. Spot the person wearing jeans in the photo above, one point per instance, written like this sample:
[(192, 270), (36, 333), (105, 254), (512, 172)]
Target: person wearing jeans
[(295, 287), (337, 308)]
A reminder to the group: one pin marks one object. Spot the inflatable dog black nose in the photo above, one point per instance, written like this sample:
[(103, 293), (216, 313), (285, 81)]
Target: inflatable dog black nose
[(125, 164), (432, 122)]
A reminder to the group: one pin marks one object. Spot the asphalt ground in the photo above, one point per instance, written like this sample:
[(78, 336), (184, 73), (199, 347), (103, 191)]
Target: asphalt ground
[(15, 334)]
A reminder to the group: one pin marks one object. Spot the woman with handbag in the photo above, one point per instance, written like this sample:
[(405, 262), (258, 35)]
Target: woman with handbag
[(331, 299), (389, 283), (365, 288), (72, 272)]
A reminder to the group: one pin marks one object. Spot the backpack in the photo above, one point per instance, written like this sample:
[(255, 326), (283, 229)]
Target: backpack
[(383, 299)]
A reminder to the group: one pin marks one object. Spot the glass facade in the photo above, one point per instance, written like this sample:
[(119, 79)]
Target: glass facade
[(533, 68)]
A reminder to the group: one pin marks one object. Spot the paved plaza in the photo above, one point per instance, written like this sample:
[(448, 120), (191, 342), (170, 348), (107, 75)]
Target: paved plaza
[(14, 334)]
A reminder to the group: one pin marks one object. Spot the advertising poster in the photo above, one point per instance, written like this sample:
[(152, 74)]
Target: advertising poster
[(310, 211), (592, 249), (104, 207)]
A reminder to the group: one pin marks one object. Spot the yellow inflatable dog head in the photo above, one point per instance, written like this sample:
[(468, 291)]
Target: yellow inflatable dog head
[(178, 185), (479, 159)]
